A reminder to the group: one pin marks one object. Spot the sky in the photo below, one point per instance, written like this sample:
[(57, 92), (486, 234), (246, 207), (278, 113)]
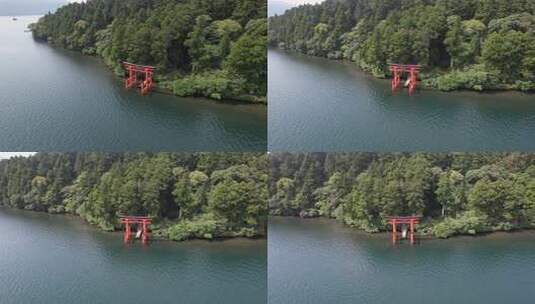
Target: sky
[(39, 7), (30, 7), (297, 2), (6, 155), (279, 6)]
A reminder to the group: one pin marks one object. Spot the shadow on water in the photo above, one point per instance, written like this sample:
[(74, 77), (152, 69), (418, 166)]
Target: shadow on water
[(60, 259), (320, 261), (318, 104)]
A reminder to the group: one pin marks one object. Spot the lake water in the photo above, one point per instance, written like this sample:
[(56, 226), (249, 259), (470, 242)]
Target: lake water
[(59, 259), (322, 105), (321, 261), (57, 100)]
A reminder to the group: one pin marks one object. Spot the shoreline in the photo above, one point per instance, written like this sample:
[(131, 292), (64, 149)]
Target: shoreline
[(420, 237), (421, 86), (245, 99), (229, 101), (242, 99), (119, 232), (158, 89)]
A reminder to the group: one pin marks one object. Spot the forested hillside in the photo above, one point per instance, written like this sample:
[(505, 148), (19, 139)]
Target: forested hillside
[(213, 48), (205, 195), (462, 44), (455, 193)]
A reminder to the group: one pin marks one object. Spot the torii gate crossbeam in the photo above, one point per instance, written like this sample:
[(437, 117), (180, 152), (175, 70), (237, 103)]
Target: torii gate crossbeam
[(139, 76)]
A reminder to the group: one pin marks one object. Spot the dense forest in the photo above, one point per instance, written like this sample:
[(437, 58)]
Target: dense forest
[(461, 44), (455, 193), (205, 195), (212, 48)]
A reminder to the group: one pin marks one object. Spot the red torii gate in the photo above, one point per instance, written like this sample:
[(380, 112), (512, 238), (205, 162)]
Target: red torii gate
[(403, 220), (145, 83), (144, 221), (398, 69)]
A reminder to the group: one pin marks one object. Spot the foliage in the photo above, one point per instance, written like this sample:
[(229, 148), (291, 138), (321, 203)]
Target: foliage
[(205, 195), (468, 223), (495, 36), (214, 84), (203, 227), (187, 37), (474, 77), (248, 56), (459, 193)]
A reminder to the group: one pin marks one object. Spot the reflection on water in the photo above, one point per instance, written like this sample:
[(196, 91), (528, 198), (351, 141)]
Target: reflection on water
[(322, 105), (321, 261), (58, 259)]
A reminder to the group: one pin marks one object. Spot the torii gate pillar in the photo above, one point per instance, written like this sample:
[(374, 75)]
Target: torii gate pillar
[(401, 220), (398, 69), (145, 82), (142, 221)]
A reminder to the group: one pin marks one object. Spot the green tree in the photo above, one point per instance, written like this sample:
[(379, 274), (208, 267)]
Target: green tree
[(504, 52), (450, 192), (248, 56)]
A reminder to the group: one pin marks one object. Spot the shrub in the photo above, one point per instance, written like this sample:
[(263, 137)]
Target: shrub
[(203, 227), (469, 222), (58, 209), (216, 85), (472, 78), (247, 232), (525, 86)]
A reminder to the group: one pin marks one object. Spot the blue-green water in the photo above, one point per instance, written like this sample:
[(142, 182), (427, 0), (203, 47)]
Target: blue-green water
[(323, 105), (321, 261), (58, 259), (57, 100)]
